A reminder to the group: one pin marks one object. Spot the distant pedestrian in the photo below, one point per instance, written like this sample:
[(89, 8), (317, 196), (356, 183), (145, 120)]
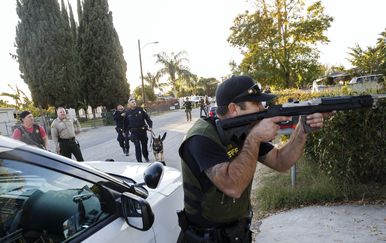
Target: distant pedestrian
[(122, 138), (63, 130), (202, 107), (207, 104), (188, 109), (137, 122), (29, 132)]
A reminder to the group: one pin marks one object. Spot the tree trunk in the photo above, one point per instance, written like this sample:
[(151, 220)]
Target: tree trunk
[(93, 117)]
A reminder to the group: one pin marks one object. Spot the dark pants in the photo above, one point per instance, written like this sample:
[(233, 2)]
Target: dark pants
[(123, 140), (139, 138), (188, 115), (70, 146)]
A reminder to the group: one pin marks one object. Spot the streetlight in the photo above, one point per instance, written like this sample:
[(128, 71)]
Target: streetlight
[(140, 65)]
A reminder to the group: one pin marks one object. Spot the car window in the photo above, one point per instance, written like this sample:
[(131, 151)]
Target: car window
[(42, 205)]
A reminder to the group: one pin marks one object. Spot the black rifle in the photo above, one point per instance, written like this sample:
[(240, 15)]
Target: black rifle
[(235, 130)]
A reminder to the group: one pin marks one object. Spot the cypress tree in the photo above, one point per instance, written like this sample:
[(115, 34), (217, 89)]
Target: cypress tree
[(72, 24), (46, 61), (102, 65)]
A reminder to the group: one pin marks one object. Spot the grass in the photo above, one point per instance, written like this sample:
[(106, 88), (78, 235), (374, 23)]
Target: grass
[(276, 193), (90, 123)]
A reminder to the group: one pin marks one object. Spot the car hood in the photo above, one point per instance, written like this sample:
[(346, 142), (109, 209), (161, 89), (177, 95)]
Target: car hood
[(170, 181)]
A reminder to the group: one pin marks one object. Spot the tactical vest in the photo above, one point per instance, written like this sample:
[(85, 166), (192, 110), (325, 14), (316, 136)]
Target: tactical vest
[(213, 204), (33, 138)]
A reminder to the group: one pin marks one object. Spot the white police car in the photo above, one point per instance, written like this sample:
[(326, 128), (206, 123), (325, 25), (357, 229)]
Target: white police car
[(45, 197)]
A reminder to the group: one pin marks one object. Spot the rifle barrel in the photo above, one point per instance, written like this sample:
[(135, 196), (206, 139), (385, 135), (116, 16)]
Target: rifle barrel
[(319, 105)]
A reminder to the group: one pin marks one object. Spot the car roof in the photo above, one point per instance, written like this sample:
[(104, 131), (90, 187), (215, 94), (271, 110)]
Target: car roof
[(6, 142)]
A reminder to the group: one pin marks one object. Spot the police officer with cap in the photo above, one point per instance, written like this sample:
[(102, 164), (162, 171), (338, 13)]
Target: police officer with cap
[(217, 177), (63, 130), (137, 122)]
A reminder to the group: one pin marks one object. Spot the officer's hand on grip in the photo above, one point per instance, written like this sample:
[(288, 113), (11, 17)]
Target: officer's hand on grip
[(266, 129)]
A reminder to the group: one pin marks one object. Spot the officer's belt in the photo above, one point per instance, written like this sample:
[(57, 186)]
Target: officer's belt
[(137, 128), (66, 139), (233, 232)]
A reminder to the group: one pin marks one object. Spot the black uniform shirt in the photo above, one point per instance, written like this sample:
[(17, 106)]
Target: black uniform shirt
[(188, 105), (119, 117), (135, 118), (201, 153)]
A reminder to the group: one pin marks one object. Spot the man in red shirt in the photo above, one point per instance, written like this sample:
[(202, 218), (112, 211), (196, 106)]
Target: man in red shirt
[(29, 132)]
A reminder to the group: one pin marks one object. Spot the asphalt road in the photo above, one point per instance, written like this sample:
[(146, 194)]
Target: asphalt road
[(100, 143)]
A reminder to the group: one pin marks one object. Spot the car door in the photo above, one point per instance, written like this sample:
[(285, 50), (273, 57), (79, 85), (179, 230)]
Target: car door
[(46, 200)]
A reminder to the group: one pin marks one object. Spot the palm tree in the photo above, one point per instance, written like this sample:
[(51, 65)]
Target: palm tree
[(174, 68), (153, 80), (192, 83), (21, 99), (381, 47)]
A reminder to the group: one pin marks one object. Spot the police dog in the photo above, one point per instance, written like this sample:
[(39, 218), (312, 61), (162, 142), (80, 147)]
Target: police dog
[(158, 148)]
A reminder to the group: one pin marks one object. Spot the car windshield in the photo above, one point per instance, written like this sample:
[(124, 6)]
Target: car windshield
[(47, 205)]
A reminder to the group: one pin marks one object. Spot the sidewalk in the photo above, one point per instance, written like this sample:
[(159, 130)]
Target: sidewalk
[(317, 224)]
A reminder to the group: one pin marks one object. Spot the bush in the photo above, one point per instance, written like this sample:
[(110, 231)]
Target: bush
[(352, 146)]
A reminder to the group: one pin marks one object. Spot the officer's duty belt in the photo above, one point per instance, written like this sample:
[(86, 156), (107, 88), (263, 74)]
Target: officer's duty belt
[(66, 139), (137, 128)]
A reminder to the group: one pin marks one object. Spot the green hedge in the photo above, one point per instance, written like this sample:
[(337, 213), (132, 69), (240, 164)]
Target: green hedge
[(352, 146)]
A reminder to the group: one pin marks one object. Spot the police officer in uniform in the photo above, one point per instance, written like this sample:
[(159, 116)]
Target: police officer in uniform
[(137, 122), (122, 138), (63, 130), (217, 177)]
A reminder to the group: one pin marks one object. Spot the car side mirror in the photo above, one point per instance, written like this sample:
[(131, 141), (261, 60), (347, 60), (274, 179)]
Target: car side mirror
[(153, 174), (137, 211)]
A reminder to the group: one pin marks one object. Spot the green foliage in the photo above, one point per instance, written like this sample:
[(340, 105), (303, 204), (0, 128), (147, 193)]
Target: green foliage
[(207, 86), (102, 65), (351, 146), (372, 60), (279, 41), (174, 68), (293, 94), (153, 80), (46, 54), (149, 94)]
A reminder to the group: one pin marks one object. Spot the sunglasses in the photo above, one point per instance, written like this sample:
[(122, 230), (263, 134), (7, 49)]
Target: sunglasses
[(255, 90)]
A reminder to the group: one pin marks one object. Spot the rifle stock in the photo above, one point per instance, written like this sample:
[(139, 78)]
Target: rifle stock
[(236, 129)]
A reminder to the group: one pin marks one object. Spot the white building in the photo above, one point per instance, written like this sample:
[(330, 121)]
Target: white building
[(7, 121)]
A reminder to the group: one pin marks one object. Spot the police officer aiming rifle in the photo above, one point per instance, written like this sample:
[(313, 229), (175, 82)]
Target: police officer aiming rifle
[(217, 177)]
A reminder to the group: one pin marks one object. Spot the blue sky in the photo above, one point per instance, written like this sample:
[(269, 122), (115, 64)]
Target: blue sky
[(201, 27)]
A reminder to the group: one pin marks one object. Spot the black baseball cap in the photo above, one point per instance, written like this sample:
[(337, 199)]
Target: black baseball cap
[(24, 114), (238, 89)]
